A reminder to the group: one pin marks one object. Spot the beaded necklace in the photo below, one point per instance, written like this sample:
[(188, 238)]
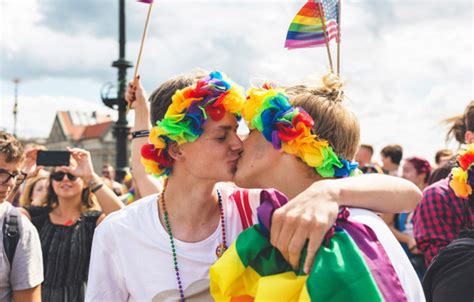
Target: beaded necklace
[(221, 248)]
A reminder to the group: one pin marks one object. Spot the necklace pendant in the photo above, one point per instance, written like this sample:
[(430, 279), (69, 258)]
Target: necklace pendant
[(221, 248)]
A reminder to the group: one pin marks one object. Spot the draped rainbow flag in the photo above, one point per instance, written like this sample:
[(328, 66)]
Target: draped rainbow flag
[(350, 266), (306, 29)]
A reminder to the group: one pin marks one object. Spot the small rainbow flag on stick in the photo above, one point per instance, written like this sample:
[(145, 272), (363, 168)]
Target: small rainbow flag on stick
[(307, 28)]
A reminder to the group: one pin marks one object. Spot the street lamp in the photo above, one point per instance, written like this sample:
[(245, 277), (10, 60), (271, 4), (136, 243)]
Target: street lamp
[(16, 81), (121, 128)]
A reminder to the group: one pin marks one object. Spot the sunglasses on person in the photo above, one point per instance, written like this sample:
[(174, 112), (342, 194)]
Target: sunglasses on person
[(18, 177), (58, 176)]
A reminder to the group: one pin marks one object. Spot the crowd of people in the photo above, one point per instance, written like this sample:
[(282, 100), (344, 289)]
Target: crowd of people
[(196, 189)]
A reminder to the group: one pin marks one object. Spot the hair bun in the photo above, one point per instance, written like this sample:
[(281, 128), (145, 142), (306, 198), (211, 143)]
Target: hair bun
[(332, 88)]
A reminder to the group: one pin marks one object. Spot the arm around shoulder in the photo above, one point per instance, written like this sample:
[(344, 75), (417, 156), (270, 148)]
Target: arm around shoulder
[(377, 192)]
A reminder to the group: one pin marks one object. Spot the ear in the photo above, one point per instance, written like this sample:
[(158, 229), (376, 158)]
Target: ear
[(175, 151), (469, 137)]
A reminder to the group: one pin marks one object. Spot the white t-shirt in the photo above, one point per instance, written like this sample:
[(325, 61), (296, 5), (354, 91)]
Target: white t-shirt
[(131, 256), (407, 275)]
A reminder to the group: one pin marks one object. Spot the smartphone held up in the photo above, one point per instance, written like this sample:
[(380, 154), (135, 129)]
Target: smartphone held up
[(53, 158)]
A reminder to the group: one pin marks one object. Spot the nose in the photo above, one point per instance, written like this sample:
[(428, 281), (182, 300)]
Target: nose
[(236, 144)]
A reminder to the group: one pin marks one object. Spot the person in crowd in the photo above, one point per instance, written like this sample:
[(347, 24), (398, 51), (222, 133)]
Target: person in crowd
[(21, 262), (196, 146), (442, 171), (391, 156), (442, 156), (443, 217), (66, 222), (450, 274), (34, 191), (108, 175), (364, 155), (308, 138), (417, 170)]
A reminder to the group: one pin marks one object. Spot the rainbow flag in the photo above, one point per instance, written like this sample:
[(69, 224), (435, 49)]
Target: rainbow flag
[(350, 266), (306, 29)]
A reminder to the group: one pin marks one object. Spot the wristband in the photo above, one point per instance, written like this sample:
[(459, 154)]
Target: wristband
[(140, 133), (97, 188)]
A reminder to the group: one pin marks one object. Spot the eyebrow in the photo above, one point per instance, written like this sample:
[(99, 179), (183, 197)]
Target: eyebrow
[(225, 128)]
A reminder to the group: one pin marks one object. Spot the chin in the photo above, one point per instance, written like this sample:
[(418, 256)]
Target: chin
[(243, 182)]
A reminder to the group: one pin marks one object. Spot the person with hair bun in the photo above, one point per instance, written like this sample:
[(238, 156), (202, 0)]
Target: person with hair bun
[(308, 137)]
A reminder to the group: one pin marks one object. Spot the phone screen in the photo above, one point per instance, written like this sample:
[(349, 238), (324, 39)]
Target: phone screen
[(53, 158)]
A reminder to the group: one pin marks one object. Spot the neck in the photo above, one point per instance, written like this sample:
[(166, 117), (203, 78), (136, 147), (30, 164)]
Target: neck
[(69, 206), (192, 203), (392, 167), (421, 185), (295, 177)]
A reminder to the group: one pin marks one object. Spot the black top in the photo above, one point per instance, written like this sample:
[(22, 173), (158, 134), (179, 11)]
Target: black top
[(66, 254)]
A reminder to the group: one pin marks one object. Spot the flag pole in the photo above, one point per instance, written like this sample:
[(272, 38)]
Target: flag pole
[(145, 30), (339, 37), (323, 20)]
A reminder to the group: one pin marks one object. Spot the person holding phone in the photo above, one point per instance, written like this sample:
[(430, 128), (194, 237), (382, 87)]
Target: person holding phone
[(67, 221)]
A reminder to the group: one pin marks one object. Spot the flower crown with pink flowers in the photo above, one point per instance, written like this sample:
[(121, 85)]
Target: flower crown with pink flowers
[(191, 107), (289, 128)]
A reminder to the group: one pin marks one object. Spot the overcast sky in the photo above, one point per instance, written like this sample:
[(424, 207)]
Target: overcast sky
[(408, 64)]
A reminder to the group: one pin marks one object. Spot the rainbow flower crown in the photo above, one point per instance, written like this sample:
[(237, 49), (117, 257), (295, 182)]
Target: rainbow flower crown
[(191, 107), (290, 128), (463, 175)]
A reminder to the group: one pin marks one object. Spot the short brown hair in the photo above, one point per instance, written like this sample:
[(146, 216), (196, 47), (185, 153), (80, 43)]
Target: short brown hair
[(442, 153), (160, 99), (10, 147), (368, 147), (461, 124), (395, 152), (332, 120)]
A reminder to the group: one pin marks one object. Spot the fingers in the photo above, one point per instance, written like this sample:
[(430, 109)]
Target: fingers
[(296, 246), (130, 95), (285, 235), (313, 245), (276, 226)]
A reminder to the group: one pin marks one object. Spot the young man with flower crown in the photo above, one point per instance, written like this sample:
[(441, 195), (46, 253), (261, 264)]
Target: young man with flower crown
[(307, 142), (177, 235)]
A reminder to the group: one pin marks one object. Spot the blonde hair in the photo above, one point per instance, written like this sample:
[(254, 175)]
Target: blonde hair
[(25, 198), (332, 120)]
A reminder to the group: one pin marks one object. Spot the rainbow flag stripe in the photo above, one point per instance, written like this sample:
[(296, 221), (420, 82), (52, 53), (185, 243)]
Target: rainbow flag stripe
[(306, 29), (350, 266)]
